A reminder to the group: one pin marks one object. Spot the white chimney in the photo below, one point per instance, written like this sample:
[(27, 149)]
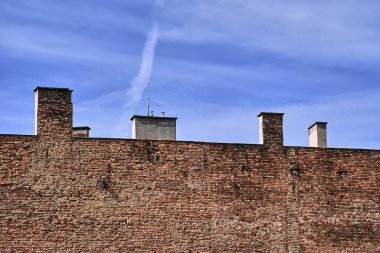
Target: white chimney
[(153, 128), (318, 135)]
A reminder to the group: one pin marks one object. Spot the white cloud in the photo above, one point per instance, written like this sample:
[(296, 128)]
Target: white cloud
[(141, 81), (160, 3), (337, 31), (34, 43), (352, 119)]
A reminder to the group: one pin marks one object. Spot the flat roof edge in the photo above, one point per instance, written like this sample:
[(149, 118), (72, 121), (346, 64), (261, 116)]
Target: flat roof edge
[(152, 117), (51, 88)]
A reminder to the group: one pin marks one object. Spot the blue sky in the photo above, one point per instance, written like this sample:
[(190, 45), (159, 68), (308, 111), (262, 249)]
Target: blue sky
[(213, 64)]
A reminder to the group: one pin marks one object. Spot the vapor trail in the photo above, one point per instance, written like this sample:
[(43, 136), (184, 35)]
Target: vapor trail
[(141, 81)]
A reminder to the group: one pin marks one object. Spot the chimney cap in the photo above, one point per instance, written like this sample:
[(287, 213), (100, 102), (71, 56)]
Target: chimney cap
[(81, 128), (318, 123), (270, 113), (152, 117), (51, 88)]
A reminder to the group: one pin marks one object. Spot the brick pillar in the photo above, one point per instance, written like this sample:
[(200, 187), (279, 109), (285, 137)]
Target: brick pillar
[(270, 129), (54, 112)]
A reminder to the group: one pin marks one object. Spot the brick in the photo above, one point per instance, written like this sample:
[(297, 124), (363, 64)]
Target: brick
[(65, 194)]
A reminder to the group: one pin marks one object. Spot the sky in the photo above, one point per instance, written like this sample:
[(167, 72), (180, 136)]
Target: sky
[(214, 64)]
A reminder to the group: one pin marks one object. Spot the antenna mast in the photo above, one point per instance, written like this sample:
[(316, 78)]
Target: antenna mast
[(148, 106)]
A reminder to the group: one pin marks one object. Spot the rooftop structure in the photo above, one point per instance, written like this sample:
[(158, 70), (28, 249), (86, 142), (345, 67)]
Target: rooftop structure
[(64, 191)]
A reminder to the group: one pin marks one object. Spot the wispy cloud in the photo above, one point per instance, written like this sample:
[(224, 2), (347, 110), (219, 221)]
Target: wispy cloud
[(30, 42), (219, 63), (160, 3), (337, 31), (141, 81), (348, 125)]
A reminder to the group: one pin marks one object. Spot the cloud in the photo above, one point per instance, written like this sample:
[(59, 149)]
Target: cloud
[(160, 3), (348, 125), (30, 42), (108, 104), (141, 81), (218, 64), (323, 30)]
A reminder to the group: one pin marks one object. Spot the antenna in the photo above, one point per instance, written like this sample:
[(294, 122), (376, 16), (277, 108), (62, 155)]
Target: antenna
[(148, 105)]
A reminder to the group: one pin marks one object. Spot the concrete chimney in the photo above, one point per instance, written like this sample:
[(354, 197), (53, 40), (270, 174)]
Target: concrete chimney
[(153, 128), (270, 129), (81, 132), (318, 135)]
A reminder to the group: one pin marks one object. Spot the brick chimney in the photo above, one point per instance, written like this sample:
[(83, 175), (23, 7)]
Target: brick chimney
[(270, 129), (54, 112), (81, 132), (318, 135), (153, 128)]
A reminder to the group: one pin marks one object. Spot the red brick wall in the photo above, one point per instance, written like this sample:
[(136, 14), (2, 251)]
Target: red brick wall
[(338, 213), (122, 195), (113, 195)]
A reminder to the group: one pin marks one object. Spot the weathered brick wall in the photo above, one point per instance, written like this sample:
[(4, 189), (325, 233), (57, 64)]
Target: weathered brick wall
[(338, 199), (54, 112), (62, 194)]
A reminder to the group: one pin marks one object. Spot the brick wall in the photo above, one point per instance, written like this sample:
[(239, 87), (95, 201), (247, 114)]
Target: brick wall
[(63, 194)]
